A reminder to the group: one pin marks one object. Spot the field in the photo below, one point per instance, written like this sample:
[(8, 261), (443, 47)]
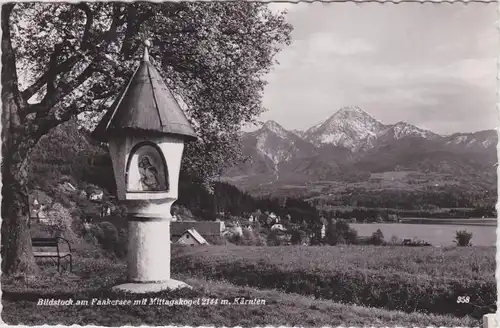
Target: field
[(435, 234), (94, 275), (425, 279)]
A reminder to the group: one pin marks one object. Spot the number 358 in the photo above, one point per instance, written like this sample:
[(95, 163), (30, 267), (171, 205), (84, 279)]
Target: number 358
[(463, 299)]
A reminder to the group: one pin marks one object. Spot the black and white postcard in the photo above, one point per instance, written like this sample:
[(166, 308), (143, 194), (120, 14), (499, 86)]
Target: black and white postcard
[(249, 164)]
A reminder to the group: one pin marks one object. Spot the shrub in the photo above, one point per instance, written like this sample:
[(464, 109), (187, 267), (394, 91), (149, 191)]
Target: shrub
[(463, 238), (296, 238), (352, 236), (339, 232), (106, 234), (395, 240), (235, 239), (273, 239), (109, 234), (377, 238), (251, 238), (121, 244), (61, 223), (215, 240)]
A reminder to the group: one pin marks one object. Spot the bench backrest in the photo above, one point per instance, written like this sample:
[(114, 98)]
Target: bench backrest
[(44, 242)]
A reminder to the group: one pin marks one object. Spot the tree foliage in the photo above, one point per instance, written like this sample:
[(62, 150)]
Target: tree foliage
[(212, 55)]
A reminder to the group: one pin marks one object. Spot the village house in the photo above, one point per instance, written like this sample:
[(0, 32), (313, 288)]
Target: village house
[(238, 229), (96, 195), (191, 237), (278, 226), (207, 229)]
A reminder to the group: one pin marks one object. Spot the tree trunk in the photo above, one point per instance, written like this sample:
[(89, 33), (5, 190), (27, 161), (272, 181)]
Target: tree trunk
[(17, 254), (16, 238)]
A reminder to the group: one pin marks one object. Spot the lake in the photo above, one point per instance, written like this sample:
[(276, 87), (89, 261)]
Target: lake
[(435, 234)]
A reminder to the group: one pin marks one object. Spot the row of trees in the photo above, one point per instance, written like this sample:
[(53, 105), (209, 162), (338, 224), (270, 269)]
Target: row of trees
[(65, 59)]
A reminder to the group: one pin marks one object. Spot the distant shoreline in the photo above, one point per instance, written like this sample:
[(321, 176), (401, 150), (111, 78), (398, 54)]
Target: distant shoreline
[(454, 221)]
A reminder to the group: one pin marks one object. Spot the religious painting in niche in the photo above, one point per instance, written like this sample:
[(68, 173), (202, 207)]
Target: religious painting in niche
[(147, 171)]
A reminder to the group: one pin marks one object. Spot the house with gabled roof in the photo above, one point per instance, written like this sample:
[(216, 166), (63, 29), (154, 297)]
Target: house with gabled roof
[(207, 229), (191, 237)]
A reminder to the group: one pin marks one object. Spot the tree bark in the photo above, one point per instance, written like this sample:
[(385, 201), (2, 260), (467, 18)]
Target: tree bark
[(16, 238), (17, 255)]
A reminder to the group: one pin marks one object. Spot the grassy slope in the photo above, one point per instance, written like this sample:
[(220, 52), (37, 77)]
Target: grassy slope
[(410, 279), (475, 263), (94, 274), (95, 277)]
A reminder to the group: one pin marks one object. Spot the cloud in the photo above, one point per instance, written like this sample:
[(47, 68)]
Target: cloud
[(321, 46), (415, 63)]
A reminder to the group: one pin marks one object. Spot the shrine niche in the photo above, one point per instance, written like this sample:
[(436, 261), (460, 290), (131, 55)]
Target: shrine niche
[(147, 170)]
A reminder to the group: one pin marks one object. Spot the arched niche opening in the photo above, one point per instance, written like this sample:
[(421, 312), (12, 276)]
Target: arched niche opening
[(146, 169)]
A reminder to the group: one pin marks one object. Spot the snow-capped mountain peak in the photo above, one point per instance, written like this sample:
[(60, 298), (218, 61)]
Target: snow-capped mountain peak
[(403, 129), (351, 112), (481, 139), (276, 128), (349, 127), (354, 129), (298, 133)]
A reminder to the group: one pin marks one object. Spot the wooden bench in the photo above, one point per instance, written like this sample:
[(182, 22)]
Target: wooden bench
[(56, 253)]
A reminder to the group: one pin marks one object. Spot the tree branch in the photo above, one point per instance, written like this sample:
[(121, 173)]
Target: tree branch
[(88, 23), (56, 93), (102, 95), (60, 91), (64, 88), (129, 32), (51, 87), (133, 22), (54, 69), (36, 86), (117, 19), (49, 122)]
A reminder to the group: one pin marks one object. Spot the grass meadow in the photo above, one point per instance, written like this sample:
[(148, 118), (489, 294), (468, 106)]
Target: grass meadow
[(302, 286), (424, 279), (94, 275)]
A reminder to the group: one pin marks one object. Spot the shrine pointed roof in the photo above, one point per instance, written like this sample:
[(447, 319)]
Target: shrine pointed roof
[(146, 105)]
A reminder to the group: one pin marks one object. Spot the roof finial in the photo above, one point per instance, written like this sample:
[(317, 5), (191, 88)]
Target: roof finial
[(147, 44)]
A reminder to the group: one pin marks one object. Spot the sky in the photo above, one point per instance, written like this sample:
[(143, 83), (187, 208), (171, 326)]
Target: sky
[(431, 65)]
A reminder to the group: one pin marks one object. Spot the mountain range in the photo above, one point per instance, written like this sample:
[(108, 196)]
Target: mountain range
[(353, 149)]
